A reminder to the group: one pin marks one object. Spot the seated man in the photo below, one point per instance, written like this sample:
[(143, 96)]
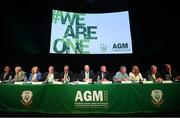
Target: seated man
[(51, 75), (20, 75), (153, 74), (86, 75), (168, 73), (66, 75), (104, 74), (121, 75), (35, 75), (6, 74)]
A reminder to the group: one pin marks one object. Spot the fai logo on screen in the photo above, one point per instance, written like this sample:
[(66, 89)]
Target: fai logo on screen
[(26, 98), (157, 97), (103, 47), (92, 99), (120, 46)]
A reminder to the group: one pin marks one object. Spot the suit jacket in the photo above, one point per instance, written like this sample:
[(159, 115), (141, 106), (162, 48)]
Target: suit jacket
[(44, 77), (174, 74), (38, 77), (82, 75), (157, 75), (2, 78), (106, 76), (20, 77), (70, 74)]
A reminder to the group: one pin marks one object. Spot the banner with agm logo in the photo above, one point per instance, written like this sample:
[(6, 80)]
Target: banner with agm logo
[(85, 33), (90, 99)]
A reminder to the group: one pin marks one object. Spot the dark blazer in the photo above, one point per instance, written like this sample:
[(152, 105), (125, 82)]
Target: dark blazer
[(82, 75), (56, 75), (6, 77), (70, 74), (106, 75), (148, 73), (174, 74)]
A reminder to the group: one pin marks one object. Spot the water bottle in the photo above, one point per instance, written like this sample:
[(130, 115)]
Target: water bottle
[(25, 79), (64, 81), (77, 81), (68, 79), (10, 78), (98, 79)]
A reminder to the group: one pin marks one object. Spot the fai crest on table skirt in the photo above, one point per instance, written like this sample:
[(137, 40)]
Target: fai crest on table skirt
[(157, 97), (26, 97)]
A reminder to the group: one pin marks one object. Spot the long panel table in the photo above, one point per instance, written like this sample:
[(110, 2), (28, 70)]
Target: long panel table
[(91, 98)]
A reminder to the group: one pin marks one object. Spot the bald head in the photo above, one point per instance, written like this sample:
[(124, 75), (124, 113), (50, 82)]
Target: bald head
[(66, 68), (18, 69), (51, 69), (153, 69), (86, 68)]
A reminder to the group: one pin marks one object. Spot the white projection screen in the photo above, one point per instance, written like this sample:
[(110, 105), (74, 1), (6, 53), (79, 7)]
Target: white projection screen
[(90, 33)]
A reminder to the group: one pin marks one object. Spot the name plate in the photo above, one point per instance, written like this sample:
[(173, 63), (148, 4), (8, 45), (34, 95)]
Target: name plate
[(106, 82), (126, 82), (19, 83), (167, 82), (147, 82), (28, 82), (82, 83), (56, 82), (37, 82)]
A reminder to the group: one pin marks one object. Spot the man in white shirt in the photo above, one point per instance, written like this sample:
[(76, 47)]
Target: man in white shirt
[(51, 75)]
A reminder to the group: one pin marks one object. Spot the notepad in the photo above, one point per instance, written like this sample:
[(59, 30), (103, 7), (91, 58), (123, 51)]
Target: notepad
[(147, 82), (167, 81), (19, 83), (126, 82), (106, 82), (82, 83), (37, 82), (56, 82)]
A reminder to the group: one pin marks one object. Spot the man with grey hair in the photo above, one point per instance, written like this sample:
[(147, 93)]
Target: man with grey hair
[(86, 74), (121, 75), (20, 75), (153, 74)]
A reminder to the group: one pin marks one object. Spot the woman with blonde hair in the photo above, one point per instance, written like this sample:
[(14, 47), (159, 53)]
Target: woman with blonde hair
[(135, 74), (35, 74)]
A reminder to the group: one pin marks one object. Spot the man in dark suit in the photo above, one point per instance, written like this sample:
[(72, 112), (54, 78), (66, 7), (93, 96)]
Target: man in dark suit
[(66, 75), (51, 75), (104, 74), (86, 74), (153, 74), (6, 74)]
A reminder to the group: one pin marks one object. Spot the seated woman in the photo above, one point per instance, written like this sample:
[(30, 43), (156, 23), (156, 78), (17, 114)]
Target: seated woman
[(35, 74), (153, 74), (135, 74), (121, 75), (168, 73)]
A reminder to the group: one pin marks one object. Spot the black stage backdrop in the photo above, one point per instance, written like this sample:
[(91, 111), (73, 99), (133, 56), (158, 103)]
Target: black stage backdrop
[(26, 28)]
